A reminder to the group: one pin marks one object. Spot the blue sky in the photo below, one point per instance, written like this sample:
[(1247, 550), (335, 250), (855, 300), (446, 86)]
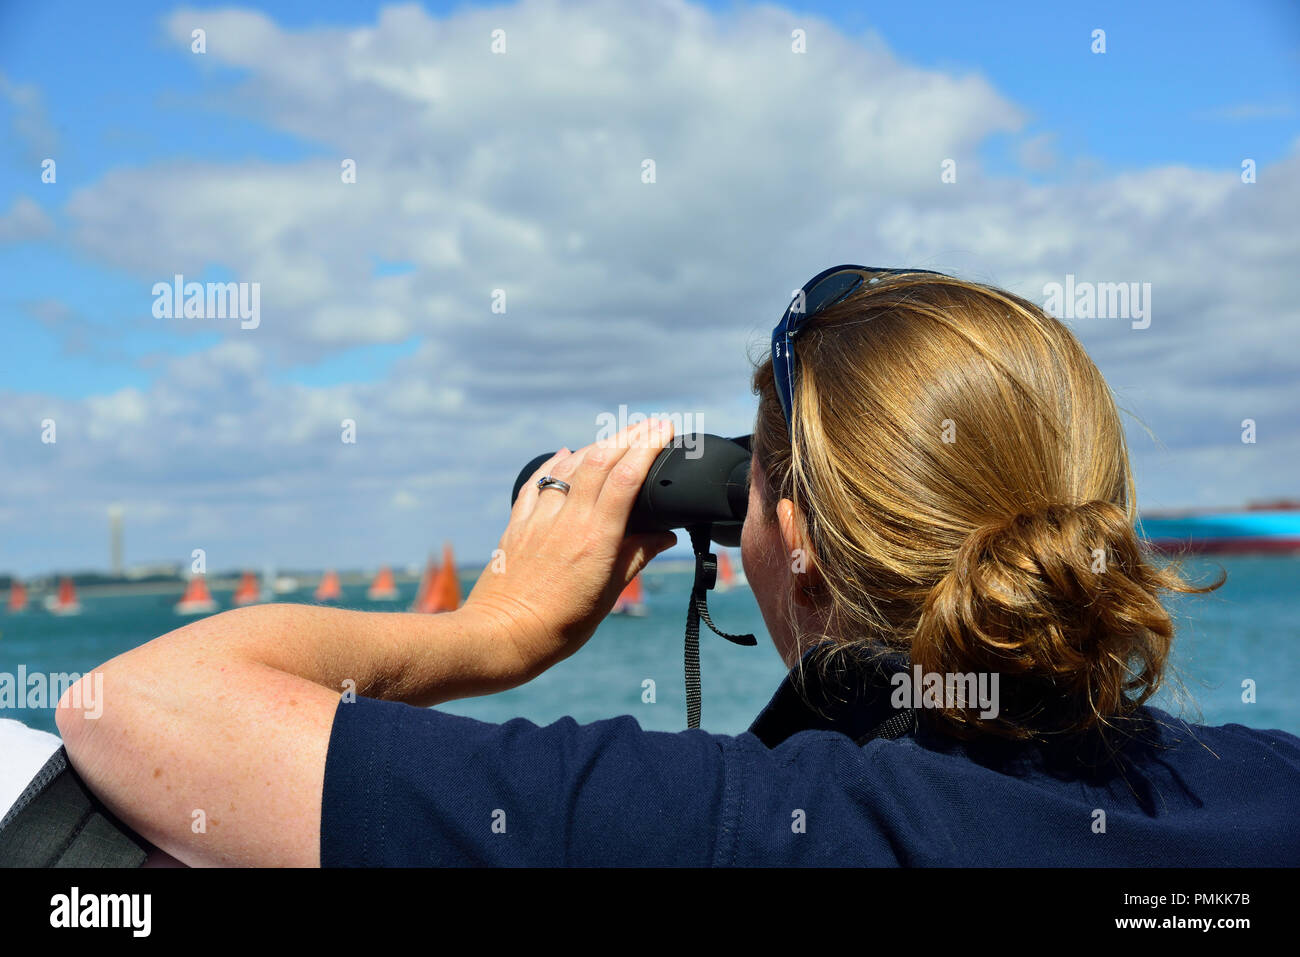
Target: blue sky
[(1182, 94)]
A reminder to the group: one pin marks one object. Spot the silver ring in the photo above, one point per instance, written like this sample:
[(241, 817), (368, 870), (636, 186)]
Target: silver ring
[(548, 481)]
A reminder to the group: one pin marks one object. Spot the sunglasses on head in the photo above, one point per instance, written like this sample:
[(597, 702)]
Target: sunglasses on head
[(818, 294)]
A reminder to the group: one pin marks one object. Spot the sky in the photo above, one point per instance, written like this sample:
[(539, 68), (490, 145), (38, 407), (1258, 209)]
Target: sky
[(522, 171)]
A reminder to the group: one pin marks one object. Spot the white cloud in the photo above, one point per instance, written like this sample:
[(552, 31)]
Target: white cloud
[(30, 123), (24, 221), (1038, 153), (404, 500)]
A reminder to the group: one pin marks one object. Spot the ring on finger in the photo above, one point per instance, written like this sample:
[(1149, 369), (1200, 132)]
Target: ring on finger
[(550, 481)]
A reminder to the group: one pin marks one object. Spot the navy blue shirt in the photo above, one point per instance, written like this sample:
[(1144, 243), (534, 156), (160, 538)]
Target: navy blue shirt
[(414, 786)]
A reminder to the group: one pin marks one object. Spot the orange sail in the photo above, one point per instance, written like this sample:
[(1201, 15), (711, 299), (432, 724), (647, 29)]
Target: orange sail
[(383, 588), (197, 600), (17, 596), (329, 588), (632, 599), (248, 592), (726, 575), (443, 593), (65, 602), (426, 585)]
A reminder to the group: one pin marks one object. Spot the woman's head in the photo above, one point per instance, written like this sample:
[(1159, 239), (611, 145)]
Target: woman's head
[(957, 488)]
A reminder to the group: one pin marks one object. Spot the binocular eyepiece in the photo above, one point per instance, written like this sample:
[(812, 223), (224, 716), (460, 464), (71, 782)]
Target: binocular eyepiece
[(698, 479)]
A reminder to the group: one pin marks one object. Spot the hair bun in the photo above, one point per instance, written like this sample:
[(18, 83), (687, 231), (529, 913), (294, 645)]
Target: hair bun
[(1061, 604)]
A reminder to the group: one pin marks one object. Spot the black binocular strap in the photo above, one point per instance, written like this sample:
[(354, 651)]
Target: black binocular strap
[(57, 822), (899, 725), (706, 576)]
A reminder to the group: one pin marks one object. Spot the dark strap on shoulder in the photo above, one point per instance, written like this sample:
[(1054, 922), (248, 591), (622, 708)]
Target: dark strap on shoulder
[(898, 725), (57, 822)]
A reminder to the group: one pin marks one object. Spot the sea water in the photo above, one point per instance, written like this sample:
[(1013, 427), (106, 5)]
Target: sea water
[(1236, 654)]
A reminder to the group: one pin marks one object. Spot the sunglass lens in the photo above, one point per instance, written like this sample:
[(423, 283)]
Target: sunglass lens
[(831, 290)]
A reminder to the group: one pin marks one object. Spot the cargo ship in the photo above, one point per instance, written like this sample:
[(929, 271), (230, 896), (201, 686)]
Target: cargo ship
[(1255, 528)]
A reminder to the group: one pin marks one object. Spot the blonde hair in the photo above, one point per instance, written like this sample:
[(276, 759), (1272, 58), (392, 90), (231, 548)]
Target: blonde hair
[(964, 485)]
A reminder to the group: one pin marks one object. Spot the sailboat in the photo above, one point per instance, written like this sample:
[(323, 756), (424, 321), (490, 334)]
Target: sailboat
[(248, 592), (329, 588), (283, 584), (426, 584), (17, 596), (632, 600), (65, 602), (440, 590), (728, 578), (197, 600), (383, 588)]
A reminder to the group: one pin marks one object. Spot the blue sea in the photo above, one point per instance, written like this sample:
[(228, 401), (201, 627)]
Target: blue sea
[(1246, 631)]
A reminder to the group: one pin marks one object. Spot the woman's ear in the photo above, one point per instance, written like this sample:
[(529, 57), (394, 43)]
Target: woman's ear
[(803, 569)]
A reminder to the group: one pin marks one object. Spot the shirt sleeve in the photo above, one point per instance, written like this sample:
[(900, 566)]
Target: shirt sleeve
[(407, 786)]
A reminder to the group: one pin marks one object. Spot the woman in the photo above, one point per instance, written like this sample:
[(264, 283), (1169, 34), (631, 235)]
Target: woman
[(940, 486)]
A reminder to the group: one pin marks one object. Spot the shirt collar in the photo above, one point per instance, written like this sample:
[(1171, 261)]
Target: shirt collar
[(855, 700), (852, 701)]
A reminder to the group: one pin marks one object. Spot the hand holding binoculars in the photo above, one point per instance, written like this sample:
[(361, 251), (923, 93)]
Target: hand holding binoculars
[(698, 479)]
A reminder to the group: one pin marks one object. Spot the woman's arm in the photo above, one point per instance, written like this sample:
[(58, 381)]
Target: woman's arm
[(212, 738)]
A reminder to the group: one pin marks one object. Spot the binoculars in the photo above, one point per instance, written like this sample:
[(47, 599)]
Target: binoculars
[(698, 479)]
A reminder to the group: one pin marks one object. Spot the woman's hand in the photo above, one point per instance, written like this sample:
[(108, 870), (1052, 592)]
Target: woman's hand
[(563, 558)]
